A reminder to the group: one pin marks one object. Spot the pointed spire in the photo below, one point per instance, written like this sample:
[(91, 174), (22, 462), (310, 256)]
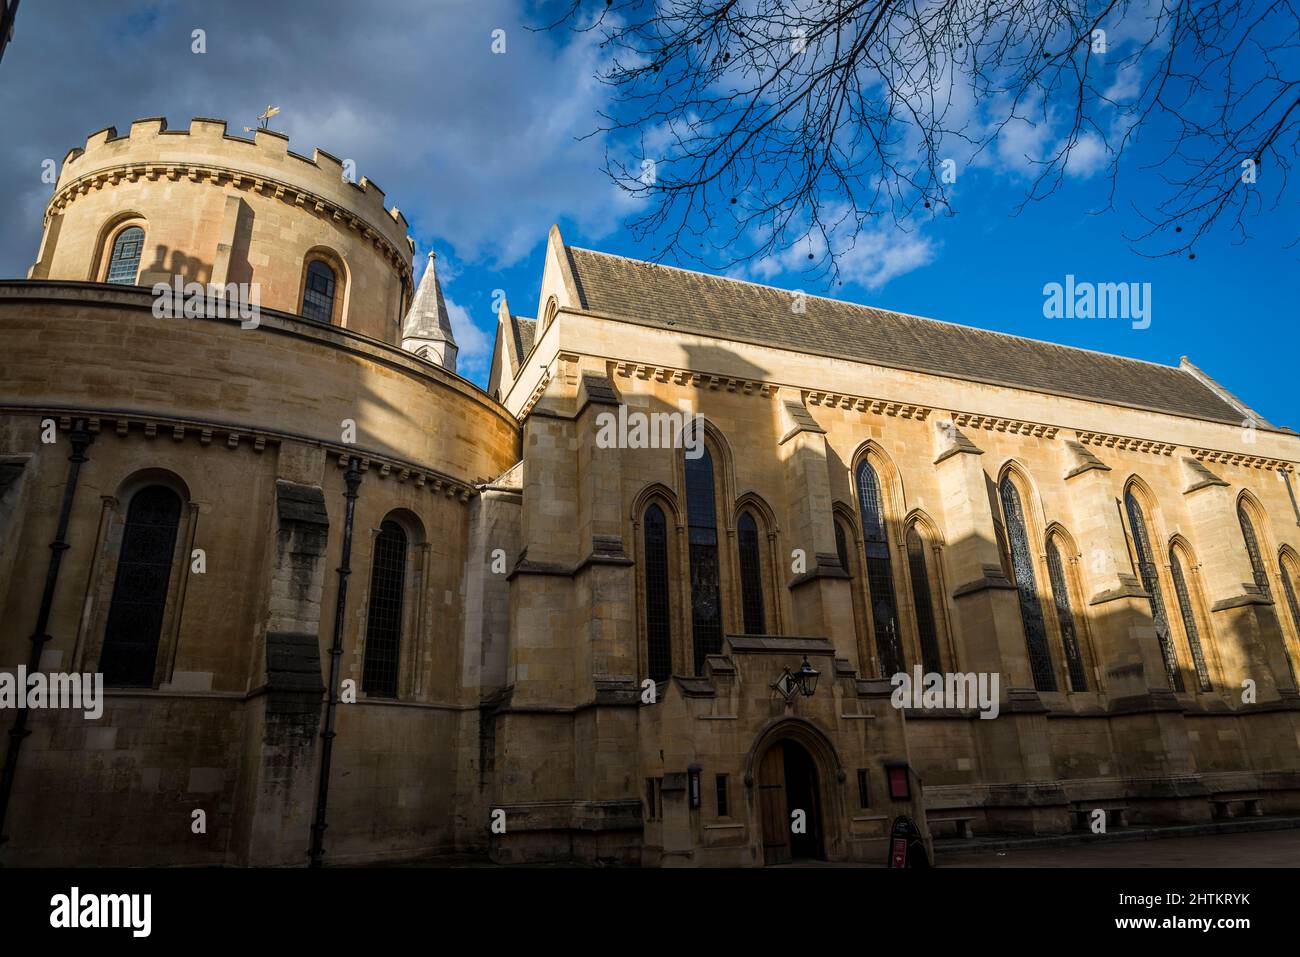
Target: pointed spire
[(426, 330)]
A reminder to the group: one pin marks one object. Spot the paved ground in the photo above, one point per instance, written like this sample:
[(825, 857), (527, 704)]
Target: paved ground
[(1272, 848), (1257, 849)]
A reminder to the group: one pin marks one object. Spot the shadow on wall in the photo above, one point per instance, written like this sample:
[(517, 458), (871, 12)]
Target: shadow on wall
[(240, 269), (165, 266)]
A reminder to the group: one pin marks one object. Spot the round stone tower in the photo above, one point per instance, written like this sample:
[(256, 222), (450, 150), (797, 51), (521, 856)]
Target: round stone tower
[(209, 207)]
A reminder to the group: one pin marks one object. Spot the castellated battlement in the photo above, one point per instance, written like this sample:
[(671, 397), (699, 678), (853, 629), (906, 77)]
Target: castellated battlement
[(262, 161), (208, 207)]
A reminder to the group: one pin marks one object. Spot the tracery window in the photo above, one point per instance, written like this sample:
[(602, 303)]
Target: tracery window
[(880, 574), (1188, 613), (921, 598), (144, 567), (1253, 550), (1065, 618), (702, 538), (842, 548), (1151, 582), (657, 608), (1022, 566), (751, 575), (1289, 578), (384, 617)]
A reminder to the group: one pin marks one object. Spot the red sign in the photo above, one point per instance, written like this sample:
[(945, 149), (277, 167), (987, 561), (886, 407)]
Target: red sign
[(898, 856), (898, 783)]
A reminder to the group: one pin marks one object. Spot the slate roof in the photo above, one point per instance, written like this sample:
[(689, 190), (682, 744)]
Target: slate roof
[(525, 330), (521, 331), (427, 318), (666, 297)]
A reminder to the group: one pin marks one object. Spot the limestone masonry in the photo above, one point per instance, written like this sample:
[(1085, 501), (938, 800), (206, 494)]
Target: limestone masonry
[(554, 647)]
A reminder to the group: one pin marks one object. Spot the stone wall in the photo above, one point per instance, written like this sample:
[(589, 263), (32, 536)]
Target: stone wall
[(228, 209)]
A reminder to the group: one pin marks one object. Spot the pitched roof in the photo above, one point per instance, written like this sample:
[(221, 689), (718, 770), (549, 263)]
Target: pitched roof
[(524, 331), (427, 318), (520, 331), (667, 297)]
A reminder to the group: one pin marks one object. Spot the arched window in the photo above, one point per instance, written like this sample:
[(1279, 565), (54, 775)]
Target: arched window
[(1022, 567), (702, 535), (318, 292), (1065, 617), (751, 575), (1151, 582), (1290, 577), (384, 619), (1253, 550), (842, 549), (925, 627), (144, 568), (124, 264), (1188, 614), (880, 572), (657, 610)]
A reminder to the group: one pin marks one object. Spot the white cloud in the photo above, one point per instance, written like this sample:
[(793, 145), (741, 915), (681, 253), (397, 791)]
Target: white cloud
[(473, 348), (1089, 155), (876, 256), (481, 151)]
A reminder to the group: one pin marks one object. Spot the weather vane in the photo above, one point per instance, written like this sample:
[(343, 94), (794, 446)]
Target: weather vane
[(263, 119)]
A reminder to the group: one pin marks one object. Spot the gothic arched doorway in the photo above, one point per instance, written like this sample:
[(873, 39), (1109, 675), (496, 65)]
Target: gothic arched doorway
[(787, 783)]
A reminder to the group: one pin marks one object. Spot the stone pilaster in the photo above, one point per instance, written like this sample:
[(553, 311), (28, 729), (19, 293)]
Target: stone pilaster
[(990, 637), (1151, 745), (1123, 634), (820, 596), (1243, 620), (283, 719)]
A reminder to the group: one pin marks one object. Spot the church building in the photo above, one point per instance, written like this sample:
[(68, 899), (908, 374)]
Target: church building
[(711, 574)]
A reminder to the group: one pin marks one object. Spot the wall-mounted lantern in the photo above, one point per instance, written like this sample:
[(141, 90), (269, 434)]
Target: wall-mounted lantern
[(803, 681)]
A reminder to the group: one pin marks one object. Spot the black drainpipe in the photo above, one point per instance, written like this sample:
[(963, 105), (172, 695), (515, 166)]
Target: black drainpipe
[(353, 479), (1286, 477), (81, 438)]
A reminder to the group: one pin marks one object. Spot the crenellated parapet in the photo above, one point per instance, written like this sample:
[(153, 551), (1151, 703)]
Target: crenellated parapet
[(209, 207), (264, 163)]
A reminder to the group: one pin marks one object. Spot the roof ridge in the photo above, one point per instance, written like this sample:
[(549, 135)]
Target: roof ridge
[(894, 312)]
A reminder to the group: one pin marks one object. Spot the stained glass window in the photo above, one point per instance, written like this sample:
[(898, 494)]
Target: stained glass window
[(144, 567), (1188, 614), (842, 548), (880, 574), (925, 626), (1065, 618), (318, 294), (124, 264), (751, 575), (1289, 589), (1022, 566), (657, 614), (1151, 582), (702, 535), (384, 619), (1252, 549)]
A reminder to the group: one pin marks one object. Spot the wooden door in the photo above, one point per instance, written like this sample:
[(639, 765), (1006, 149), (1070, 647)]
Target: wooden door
[(772, 806)]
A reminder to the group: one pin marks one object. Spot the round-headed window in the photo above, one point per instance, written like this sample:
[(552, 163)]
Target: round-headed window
[(318, 292), (124, 264)]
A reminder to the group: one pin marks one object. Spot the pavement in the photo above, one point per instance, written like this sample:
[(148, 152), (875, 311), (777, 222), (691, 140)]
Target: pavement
[(1276, 848), (1257, 842)]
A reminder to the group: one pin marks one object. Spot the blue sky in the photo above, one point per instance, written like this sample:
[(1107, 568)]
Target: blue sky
[(483, 151)]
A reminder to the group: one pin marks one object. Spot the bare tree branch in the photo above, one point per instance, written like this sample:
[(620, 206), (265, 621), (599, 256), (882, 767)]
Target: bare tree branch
[(767, 128)]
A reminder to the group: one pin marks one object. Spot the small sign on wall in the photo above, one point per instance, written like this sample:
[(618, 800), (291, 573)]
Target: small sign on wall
[(899, 777)]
